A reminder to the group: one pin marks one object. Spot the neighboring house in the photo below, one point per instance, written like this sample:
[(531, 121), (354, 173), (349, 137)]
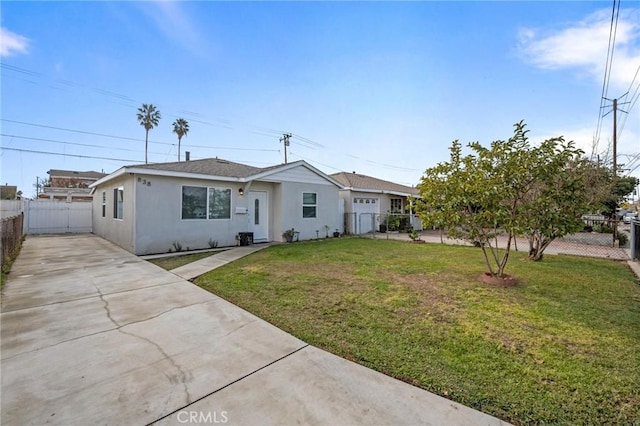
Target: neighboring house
[(69, 185), (8, 192), (368, 200), (147, 208)]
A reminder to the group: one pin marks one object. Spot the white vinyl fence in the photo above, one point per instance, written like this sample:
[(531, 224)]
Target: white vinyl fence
[(56, 217), (10, 208)]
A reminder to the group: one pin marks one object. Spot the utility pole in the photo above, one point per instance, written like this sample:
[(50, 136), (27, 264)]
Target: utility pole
[(615, 163), (285, 138), (615, 158)]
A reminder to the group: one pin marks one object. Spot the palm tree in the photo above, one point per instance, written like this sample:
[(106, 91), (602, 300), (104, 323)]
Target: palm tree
[(148, 116), (180, 128)]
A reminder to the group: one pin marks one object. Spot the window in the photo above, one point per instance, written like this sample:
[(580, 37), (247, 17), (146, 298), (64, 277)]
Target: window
[(219, 203), (206, 203), (118, 202), (194, 202), (396, 205), (309, 204), (256, 212), (104, 203)]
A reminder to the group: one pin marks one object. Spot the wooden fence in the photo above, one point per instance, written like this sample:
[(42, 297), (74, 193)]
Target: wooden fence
[(11, 237)]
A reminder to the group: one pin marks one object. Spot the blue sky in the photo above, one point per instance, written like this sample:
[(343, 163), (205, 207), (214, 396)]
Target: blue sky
[(381, 88)]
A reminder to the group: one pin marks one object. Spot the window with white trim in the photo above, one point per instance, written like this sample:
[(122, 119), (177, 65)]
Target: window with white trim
[(104, 203), (309, 204), (219, 203), (118, 203), (199, 202)]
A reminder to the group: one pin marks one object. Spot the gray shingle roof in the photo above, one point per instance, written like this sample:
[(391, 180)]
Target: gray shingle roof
[(358, 181), (75, 174), (208, 166)]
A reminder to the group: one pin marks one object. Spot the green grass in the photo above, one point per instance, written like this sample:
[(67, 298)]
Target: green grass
[(563, 346), (173, 262)]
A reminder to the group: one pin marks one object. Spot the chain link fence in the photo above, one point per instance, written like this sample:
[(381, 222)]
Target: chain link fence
[(597, 239)]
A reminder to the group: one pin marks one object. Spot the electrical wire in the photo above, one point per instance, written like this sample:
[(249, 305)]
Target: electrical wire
[(607, 75), (138, 140), (263, 131)]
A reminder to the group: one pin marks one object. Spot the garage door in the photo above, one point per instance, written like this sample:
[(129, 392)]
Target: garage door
[(367, 211)]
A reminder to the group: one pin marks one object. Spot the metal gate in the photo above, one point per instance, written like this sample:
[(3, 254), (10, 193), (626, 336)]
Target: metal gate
[(635, 239)]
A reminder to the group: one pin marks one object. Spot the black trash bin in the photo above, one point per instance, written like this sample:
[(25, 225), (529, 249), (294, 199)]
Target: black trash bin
[(246, 238)]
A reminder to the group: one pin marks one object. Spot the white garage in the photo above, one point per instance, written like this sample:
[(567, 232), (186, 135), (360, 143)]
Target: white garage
[(367, 213)]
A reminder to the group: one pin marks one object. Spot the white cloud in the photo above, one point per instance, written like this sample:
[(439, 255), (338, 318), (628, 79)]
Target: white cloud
[(171, 18), (583, 46), (11, 43)]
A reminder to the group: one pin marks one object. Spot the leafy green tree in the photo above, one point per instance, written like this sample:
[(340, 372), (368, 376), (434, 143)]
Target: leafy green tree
[(148, 117), (507, 189), (554, 205), (180, 128)]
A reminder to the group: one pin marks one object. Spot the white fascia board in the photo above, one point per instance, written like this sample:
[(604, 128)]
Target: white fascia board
[(167, 173), (107, 178), (263, 175), (382, 191), (187, 175)]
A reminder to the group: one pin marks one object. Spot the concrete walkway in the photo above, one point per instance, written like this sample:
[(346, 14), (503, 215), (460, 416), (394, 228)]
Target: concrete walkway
[(94, 335), (199, 267)]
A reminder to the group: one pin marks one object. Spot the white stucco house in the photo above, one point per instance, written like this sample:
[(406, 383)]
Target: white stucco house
[(368, 200), (147, 208)]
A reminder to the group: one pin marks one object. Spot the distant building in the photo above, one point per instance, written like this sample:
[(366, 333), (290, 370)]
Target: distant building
[(8, 192), (69, 185)]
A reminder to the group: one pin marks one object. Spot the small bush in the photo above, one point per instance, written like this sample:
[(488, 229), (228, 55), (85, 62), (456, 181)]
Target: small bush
[(623, 238), (177, 246), (603, 229), (213, 243)]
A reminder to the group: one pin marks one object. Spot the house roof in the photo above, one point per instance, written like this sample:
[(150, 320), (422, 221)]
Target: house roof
[(207, 166), (75, 174), (364, 183), (212, 169)]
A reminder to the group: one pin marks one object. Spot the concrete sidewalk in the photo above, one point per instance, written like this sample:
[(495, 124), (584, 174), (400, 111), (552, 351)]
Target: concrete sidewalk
[(91, 334), (558, 246)]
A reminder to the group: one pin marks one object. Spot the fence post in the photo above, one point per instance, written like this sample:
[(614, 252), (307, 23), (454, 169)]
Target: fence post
[(635, 239)]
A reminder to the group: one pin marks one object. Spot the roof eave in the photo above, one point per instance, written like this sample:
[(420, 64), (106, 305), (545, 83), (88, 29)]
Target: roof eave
[(382, 191), (266, 174), (167, 173)]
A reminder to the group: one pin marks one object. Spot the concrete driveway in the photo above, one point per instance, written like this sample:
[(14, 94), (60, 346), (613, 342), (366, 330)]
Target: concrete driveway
[(92, 334)]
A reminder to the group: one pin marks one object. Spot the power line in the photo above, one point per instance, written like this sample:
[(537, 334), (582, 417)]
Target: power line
[(75, 143), (632, 100), (607, 72), (68, 83), (66, 155), (263, 131), (137, 140), (3, 148)]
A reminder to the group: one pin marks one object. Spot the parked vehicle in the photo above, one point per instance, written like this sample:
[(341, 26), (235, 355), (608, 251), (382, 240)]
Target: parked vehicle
[(629, 216)]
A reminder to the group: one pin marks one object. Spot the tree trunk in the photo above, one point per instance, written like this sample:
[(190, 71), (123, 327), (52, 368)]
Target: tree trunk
[(537, 246), (146, 145), (486, 259), (505, 258)]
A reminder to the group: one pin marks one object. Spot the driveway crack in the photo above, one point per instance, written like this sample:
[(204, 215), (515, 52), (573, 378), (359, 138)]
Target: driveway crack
[(183, 377)]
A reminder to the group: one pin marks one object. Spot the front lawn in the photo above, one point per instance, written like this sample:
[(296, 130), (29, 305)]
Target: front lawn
[(173, 262), (563, 346)]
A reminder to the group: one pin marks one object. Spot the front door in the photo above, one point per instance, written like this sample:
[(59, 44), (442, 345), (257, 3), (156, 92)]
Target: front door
[(259, 215)]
